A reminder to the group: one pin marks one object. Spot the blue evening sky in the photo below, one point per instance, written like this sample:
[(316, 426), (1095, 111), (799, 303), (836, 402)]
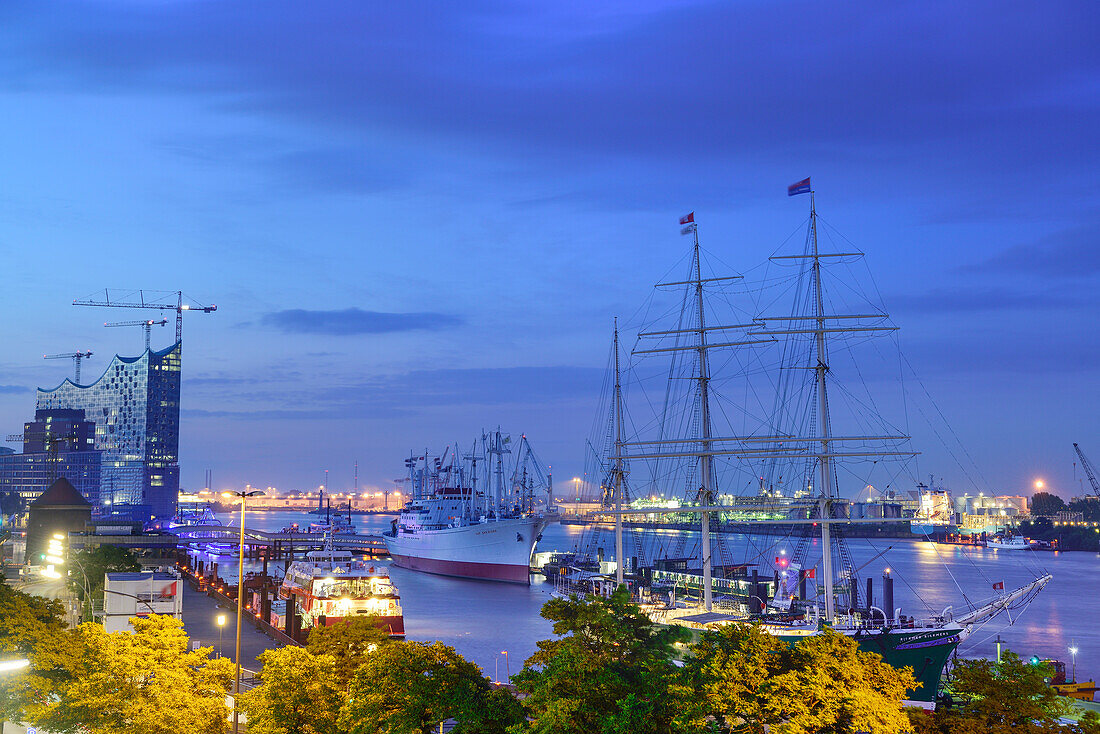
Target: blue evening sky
[(418, 219)]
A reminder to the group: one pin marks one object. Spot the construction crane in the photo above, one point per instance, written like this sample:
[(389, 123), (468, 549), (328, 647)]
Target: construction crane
[(162, 300), (147, 325), (76, 357), (1088, 470)]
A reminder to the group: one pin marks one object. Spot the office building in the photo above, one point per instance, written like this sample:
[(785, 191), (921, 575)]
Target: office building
[(57, 443), (135, 406)]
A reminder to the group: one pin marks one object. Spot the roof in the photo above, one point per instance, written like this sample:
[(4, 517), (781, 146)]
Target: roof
[(60, 494), (141, 576), (120, 359)]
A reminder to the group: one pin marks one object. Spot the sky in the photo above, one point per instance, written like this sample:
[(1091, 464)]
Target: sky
[(418, 220)]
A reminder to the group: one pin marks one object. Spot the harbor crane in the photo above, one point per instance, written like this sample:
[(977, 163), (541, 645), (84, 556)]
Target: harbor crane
[(1088, 471), (147, 325), (76, 357), (163, 300)]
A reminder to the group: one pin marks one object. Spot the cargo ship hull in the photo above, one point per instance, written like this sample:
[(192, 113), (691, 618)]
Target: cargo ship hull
[(495, 550)]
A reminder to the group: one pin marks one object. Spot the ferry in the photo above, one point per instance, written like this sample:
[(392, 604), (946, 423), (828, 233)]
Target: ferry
[(330, 585)]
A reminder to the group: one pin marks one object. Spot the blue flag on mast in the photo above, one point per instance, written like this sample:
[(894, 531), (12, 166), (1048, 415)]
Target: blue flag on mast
[(802, 187)]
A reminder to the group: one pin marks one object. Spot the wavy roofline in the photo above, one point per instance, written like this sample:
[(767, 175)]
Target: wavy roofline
[(125, 360)]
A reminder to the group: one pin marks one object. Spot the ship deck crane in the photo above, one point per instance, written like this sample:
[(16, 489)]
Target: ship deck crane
[(162, 300), (1088, 470), (147, 325), (76, 357)]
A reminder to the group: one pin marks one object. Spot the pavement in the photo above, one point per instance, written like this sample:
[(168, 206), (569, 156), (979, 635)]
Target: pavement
[(200, 614)]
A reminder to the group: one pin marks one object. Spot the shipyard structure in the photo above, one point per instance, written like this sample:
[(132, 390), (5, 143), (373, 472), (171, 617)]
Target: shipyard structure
[(135, 409)]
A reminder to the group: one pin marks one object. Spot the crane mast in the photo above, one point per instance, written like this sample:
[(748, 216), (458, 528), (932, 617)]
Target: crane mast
[(76, 357), (1088, 470)]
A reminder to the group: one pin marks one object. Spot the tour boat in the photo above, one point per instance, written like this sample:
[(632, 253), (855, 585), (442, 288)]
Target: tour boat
[(331, 585)]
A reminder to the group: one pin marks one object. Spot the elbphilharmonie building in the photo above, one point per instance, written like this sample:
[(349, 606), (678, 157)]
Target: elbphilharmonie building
[(135, 406)]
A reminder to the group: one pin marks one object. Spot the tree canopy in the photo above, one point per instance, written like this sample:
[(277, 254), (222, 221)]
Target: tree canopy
[(609, 670), (411, 687), (145, 682), (300, 693), (87, 568), (348, 642), (1045, 503)]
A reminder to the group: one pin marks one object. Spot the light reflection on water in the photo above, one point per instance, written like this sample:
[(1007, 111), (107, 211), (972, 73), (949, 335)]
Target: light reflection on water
[(481, 619)]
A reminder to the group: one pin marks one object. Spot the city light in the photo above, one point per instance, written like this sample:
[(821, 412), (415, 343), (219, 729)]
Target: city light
[(1039, 484), (7, 666)]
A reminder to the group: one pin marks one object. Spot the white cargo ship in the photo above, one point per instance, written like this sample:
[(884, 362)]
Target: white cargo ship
[(453, 527)]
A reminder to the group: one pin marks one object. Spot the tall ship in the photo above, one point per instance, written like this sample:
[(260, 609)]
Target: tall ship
[(457, 523), (756, 427), (331, 585)]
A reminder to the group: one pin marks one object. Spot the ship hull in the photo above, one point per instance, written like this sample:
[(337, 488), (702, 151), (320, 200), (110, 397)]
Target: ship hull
[(491, 551)]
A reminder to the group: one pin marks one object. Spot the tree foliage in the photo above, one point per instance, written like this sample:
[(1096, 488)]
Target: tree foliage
[(147, 682), (609, 670), (411, 687), (300, 693), (753, 682), (348, 642), (87, 568), (1045, 503)]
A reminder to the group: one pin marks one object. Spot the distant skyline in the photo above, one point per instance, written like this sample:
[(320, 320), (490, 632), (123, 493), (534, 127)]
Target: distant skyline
[(419, 220)]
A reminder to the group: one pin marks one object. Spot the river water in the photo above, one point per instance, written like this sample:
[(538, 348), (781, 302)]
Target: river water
[(483, 619)]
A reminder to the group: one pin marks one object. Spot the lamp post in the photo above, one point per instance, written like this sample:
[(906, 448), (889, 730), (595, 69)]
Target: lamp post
[(507, 671), (1073, 654), (221, 625), (10, 666), (240, 605)]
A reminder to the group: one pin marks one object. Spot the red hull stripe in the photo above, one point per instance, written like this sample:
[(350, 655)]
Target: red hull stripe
[(467, 569)]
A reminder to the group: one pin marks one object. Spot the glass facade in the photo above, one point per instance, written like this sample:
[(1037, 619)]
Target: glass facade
[(135, 406), (28, 475)]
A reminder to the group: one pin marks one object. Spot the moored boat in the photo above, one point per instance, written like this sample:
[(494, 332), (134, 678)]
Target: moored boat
[(454, 527), (792, 451), (330, 585)]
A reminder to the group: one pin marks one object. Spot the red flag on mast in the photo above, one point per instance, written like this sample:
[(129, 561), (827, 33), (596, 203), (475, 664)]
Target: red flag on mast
[(687, 218)]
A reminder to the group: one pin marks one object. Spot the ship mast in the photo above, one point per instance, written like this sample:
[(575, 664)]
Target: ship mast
[(618, 465), (706, 461), (826, 490)]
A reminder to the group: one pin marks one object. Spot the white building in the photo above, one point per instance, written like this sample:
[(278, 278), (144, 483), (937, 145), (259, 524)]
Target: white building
[(140, 594)]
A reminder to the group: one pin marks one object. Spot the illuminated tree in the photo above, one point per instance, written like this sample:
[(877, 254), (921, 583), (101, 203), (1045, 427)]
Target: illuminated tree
[(753, 682), (147, 682), (411, 687), (300, 693), (348, 642), (609, 670)]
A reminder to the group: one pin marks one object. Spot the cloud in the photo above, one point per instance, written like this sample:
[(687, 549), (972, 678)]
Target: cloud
[(955, 300), (1070, 253), (416, 391), (350, 321)]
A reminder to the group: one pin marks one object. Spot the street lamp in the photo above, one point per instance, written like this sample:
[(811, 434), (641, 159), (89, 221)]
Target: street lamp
[(9, 666), (507, 672), (240, 604), (221, 625), (1073, 654)]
